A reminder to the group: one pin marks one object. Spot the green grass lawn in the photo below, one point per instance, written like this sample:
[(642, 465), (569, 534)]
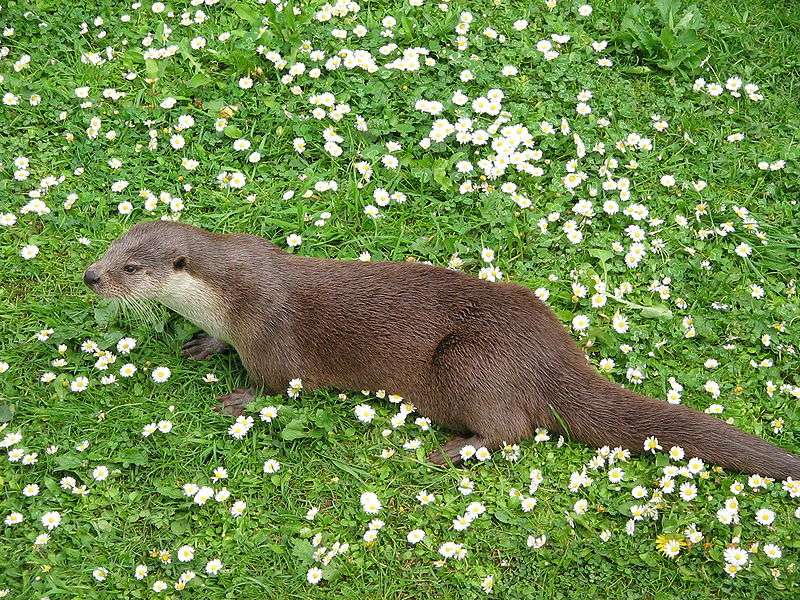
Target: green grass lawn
[(604, 177)]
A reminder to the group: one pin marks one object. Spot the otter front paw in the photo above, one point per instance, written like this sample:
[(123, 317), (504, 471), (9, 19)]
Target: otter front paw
[(451, 450), (202, 346), (233, 404)]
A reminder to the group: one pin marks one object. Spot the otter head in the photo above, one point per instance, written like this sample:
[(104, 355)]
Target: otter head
[(141, 263)]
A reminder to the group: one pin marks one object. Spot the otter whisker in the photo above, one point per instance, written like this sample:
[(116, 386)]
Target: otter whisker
[(119, 306), (138, 310), (147, 309), (131, 310), (126, 308)]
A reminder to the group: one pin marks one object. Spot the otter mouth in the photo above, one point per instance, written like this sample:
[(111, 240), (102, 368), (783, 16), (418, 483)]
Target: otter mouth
[(106, 294)]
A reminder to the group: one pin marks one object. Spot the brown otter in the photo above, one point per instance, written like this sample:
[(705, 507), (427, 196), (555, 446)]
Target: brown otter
[(488, 361)]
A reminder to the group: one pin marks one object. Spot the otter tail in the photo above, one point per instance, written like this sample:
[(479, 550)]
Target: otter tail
[(614, 416)]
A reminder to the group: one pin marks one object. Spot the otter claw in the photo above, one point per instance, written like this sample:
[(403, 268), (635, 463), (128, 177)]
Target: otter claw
[(202, 346), (233, 404)]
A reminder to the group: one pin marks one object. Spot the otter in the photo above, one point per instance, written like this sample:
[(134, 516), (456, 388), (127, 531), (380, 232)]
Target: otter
[(488, 361)]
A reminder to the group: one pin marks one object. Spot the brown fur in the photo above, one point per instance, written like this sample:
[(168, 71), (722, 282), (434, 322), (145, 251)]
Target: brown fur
[(489, 361)]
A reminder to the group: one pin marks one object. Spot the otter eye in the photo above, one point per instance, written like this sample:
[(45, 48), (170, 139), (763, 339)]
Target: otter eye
[(130, 268)]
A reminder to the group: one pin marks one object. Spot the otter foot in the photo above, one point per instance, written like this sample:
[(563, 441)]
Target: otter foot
[(233, 404), (202, 346), (451, 450)]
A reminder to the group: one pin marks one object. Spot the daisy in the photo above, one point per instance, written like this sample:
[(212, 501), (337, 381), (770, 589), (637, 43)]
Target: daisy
[(100, 473), (238, 508), (671, 548), (240, 427), (237, 180), (772, 551), (580, 323), (140, 572), (127, 370), (651, 444), (536, 542), (616, 475), (676, 452), (213, 567), (688, 491), (160, 374), (371, 535), (314, 575), (695, 466), (203, 495), (731, 569), (29, 252), (467, 452), (425, 498), (736, 556), (79, 384), (51, 520), (483, 454), (370, 503), (765, 516), (268, 413), (13, 518), (620, 323), (449, 549), (185, 553), (365, 413)]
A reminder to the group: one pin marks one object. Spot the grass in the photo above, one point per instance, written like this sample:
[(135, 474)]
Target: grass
[(328, 458)]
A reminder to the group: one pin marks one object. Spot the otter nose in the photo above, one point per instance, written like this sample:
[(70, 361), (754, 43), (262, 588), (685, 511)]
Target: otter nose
[(91, 277)]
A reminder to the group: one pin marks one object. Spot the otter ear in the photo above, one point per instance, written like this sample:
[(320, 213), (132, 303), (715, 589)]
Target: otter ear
[(179, 263)]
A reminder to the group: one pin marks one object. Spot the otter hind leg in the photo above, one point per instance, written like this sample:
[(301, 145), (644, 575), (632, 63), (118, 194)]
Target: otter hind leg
[(233, 404), (485, 387), (202, 346), (451, 450)]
